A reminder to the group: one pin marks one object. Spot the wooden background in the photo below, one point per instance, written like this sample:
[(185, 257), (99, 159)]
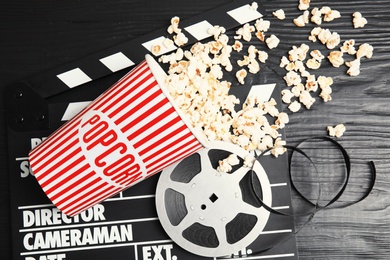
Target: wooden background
[(39, 35)]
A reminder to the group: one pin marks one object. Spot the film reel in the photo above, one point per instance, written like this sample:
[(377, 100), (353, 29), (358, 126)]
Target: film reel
[(210, 213)]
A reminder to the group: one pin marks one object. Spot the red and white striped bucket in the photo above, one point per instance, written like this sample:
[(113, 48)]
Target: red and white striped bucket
[(129, 133)]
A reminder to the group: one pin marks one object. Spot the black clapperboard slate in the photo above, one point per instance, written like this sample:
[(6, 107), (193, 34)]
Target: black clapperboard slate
[(125, 226)]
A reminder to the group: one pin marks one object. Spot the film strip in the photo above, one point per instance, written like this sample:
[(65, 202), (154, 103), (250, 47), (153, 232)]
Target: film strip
[(30, 117)]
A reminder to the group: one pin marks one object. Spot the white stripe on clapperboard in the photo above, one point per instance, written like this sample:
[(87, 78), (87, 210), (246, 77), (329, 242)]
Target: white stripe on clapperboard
[(117, 61)]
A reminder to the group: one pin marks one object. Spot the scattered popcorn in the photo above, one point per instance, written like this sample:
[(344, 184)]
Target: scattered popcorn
[(292, 78), (317, 55), (314, 33), (313, 64), (298, 53), (282, 120), (333, 41), (249, 160), (254, 6), (278, 148), (336, 131), (365, 50), (349, 47), (306, 99), (216, 31), (336, 58), (245, 32), (294, 106), (279, 14), (287, 95), (237, 46), (316, 16), (156, 49), (329, 14), (297, 90), (174, 27), (180, 39), (168, 43), (224, 166), (304, 5), (272, 41), (232, 160), (311, 83), (262, 25), (241, 75), (324, 82), (262, 56), (354, 67), (284, 62), (260, 35), (302, 20), (358, 20)]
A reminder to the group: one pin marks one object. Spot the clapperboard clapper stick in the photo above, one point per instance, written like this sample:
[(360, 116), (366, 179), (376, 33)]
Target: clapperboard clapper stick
[(26, 106)]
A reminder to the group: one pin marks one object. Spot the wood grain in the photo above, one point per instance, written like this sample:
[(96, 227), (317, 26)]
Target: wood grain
[(39, 35)]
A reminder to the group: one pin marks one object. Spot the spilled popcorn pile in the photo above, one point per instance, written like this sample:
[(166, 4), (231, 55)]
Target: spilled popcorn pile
[(195, 79)]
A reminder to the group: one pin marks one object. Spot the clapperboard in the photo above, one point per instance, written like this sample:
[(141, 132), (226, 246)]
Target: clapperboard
[(125, 226)]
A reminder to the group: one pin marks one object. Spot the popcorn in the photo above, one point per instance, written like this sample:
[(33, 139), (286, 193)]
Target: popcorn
[(272, 41), (245, 32), (314, 33), (306, 99), (262, 25), (313, 64), (294, 106), (156, 49), (287, 95), (282, 120), (298, 53), (279, 14), (336, 131), (304, 5), (292, 78), (241, 75), (336, 58), (260, 35), (302, 20), (329, 14), (358, 20), (226, 164), (297, 90), (284, 62), (354, 67), (180, 39), (317, 55), (365, 50), (278, 148), (348, 47), (262, 56), (168, 43), (249, 160), (316, 16), (174, 27), (237, 46), (254, 6), (311, 83), (324, 83), (333, 41), (216, 31)]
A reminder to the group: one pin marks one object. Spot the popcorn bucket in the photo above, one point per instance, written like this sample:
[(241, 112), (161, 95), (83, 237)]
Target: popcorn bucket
[(129, 133)]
